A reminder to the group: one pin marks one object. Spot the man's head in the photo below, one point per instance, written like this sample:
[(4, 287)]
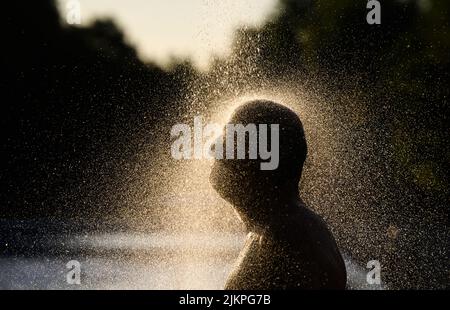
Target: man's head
[(242, 182)]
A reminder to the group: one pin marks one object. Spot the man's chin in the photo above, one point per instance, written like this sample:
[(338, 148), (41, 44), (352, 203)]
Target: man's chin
[(219, 178)]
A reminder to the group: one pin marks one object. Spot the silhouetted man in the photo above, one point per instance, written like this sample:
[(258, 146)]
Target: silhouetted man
[(288, 245)]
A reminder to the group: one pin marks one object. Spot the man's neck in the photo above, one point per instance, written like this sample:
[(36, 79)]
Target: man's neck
[(283, 205)]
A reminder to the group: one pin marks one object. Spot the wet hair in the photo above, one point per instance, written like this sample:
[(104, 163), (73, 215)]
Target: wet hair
[(241, 180)]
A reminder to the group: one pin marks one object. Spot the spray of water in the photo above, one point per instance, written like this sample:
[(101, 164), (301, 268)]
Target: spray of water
[(175, 198), (183, 202)]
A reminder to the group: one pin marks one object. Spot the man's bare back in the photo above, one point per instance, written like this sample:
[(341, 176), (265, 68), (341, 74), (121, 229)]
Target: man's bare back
[(301, 255)]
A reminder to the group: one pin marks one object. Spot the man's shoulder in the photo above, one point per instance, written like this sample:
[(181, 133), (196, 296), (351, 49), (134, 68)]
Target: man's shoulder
[(309, 219)]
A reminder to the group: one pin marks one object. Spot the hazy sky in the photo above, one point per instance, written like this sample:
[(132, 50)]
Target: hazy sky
[(161, 29)]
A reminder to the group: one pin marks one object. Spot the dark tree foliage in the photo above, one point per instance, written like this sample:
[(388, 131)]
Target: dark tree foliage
[(70, 96)]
